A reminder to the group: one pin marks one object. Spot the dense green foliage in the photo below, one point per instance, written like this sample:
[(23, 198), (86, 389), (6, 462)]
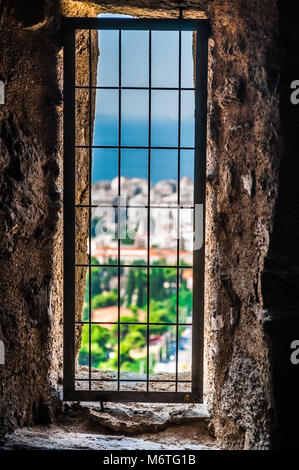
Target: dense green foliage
[(162, 309)]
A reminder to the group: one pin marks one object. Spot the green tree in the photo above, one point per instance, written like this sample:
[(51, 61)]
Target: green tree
[(104, 300), (141, 282), (131, 285), (96, 281), (157, 291)]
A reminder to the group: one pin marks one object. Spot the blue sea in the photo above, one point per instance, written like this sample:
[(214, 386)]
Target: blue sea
[(134, 162)]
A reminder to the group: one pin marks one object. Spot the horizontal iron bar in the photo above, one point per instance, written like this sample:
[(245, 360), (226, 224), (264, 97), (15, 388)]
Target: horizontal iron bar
[(131, 147), (115, 206), (135, 380), (129, 323), (86, 87), (132, 266), (125, 396), (159, 24)]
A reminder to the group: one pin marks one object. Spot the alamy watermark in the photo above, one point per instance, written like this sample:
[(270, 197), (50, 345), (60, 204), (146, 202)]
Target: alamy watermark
[(123, 221), (2, 352), (2, 92), (295, 94), (295, 354)]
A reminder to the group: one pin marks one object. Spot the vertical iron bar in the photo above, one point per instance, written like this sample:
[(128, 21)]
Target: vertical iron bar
[(69, 215), (90, 211), (148, 204), (201, 59), (118, 215), (178, 216)]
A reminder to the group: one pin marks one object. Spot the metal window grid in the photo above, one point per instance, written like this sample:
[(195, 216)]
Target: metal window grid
[(201, 28)]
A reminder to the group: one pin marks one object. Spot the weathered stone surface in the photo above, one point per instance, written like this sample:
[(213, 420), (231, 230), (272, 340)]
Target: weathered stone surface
[(58, 439), (103, 380), (87, 426), (30, 192), (242, 140), (134, 418)]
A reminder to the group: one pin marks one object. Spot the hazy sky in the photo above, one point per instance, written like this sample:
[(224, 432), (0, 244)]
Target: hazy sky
[(134, 119), (135, 66)]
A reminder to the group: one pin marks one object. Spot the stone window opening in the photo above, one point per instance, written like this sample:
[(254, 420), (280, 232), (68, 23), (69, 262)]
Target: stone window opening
[(182, 146), (196, 414)]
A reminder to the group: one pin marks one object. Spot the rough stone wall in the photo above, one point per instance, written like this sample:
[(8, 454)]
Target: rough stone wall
[(243, 158), (29, 207), (242, 174)]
